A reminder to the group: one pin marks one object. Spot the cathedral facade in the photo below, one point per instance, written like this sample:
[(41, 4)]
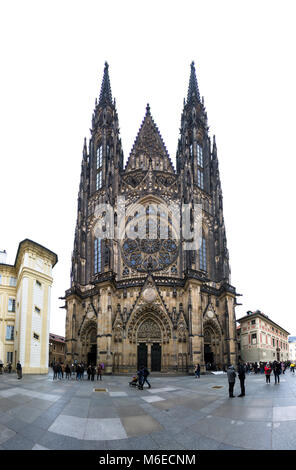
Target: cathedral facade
[(140, 294)]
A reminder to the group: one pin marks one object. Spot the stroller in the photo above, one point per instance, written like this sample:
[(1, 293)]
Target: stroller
[(134, 382)]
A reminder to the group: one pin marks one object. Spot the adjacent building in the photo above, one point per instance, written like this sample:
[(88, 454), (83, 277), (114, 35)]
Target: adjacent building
[(261, 339), (25, 291), (56, 349), (292, 348), (149, 301)]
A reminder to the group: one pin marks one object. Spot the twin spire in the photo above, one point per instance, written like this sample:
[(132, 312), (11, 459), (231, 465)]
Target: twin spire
[(106, 94), (148, 137)]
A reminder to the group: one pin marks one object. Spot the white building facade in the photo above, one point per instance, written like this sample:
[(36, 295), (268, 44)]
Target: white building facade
[(25, 291)]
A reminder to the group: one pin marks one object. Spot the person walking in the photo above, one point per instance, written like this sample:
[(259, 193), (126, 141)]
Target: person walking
[(59, 371), (99, 372), (242, 378), (231, 380), (267, 371), (1, 367), (55, 371), (276, 371), (78, 372), (292, 367), (19, 370), (68, 371), (93, 372), (197, 371), (140, 378), (88, 372), (145, 373), (9, 367)]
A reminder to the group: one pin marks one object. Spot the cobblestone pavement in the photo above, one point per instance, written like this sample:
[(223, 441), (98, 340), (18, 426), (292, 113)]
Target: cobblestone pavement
[(177, 413)]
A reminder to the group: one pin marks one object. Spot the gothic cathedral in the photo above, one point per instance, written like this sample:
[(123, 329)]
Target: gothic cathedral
[(135, 300)]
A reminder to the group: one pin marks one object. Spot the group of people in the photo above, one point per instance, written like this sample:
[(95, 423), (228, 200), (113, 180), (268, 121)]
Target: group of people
[(274, 367), (259, 367), (60, 370), (19, 369)]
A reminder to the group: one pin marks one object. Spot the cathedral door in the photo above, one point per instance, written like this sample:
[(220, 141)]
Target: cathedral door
[(92, 355), (142, 355), (208, 355), (156, 357)]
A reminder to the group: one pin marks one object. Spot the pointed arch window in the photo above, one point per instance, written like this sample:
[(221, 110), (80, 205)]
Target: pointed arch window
[(97, 255), (203, 255), (199, 154), (99, 175), (200, 178), (200, 165)]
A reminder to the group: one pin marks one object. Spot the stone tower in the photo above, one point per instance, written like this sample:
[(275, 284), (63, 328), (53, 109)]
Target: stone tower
[(138, 294)]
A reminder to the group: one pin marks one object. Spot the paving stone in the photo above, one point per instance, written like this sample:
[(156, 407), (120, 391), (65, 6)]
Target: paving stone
[(18, 442), (104, 429), (135, 425), (32, 432)]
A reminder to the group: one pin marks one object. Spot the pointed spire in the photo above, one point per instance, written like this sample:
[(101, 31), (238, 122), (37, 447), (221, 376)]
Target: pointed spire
[(193, 91), (149, 145), (106, 94)]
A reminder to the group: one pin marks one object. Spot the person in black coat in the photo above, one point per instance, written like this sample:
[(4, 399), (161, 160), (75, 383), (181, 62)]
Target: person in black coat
[(242, 378), (276, 370), (145, 373), (19, 370)]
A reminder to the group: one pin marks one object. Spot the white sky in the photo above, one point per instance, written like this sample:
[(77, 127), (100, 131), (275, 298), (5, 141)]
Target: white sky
[(52, 59)]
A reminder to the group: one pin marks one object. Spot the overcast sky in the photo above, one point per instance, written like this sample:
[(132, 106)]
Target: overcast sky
[(52, 60)]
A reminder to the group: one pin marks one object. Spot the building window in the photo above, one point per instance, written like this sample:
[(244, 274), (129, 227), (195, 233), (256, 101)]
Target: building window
[(9, 332), (99, 157), (99, 180), (99, 176), (12, 281), (254, 338), (203, 256), (37, 310), (9, 356), (35, 336), (273, 343), (200, 179), (199, 155), (253, 322), (11, 305), (191, 150), (38, 283), (98, 255), (0, 279)]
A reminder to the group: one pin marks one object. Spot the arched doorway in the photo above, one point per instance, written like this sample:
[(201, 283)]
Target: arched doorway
[(212, 347), (92, 347), (89, 343), (149, 342)]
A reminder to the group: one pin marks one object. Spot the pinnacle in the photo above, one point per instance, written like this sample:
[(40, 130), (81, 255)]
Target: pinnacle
[(106, 94), (193, 91)]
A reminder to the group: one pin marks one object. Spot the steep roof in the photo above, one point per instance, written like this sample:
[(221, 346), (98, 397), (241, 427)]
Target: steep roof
[(149, 145)]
